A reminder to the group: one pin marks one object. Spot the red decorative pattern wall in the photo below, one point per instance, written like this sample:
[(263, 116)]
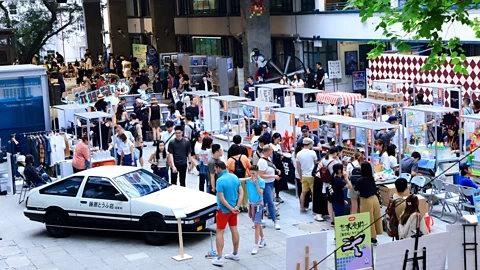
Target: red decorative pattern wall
[(407, 67)]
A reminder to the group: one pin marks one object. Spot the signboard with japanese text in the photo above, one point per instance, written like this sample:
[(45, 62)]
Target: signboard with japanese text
[(353, 241)]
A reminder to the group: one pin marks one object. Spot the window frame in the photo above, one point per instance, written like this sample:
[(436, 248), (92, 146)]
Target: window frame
[(107, 180), (307, 5), (328, 52), (43, 190)]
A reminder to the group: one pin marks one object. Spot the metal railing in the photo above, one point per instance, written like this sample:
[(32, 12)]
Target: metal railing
[(338, 6)]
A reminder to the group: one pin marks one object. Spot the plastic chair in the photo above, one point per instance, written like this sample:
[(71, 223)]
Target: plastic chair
[(24, 190), (406, 176), (454, 199), (419, 182), (467, 192)]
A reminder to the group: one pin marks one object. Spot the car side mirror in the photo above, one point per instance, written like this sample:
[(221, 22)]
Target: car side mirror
[(120, 197)]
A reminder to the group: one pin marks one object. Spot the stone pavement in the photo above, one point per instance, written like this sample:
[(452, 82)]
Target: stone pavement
[(26, 245)]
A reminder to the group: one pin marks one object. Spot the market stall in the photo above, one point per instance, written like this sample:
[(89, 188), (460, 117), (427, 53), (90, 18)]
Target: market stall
[(448, 95), (205, 102), (270, 92), (388, 89), (303, 92), (371, 109), (471, 132), (424, 124), (98, 157), (229, 104), (338, 98), (65, 114)]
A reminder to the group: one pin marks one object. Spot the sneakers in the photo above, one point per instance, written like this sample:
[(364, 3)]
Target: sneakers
[(374, 242), (232, 256), (218, 261), (277, 226), (262, 243), (319, 218), (255, 250), (278, 200)]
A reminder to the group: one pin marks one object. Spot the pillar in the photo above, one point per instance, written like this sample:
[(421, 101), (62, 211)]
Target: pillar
[(93, 27), (320, 5), (119, 38), (256, 32), (163, 25)]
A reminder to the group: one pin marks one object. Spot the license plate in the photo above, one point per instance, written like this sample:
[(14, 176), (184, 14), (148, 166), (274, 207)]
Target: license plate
[(210, 222)]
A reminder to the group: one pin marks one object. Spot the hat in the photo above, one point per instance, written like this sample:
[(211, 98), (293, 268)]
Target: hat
[(391, 119), (153, 100), (464, 166), (21, 158), (307, 141), (100, 96), (305, 127)]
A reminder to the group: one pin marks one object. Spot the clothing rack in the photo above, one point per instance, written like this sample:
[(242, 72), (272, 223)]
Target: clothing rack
[(38, 132)]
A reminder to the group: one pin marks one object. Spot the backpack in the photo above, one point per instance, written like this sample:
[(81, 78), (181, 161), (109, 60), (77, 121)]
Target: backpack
[(325, 175), (355, 174), (239, 169), (133, 130), (391, 221), (193, 137)]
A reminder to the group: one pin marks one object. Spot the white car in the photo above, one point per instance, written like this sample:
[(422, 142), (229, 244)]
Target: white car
[(119, 197)]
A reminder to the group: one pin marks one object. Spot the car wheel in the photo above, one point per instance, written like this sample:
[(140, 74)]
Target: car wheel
[(56, 217), (155, 224)]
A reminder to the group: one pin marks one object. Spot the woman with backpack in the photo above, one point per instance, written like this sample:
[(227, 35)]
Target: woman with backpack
[(369, 203), (204, 156), (411, 220), (353, 174), (154, 117), (239, 165), (330, 159)]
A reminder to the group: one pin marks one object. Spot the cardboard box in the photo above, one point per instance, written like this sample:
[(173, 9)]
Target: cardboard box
[(386, 193), (398, 97), (390, 97), (422, 204), (372, 94), (381, 96)]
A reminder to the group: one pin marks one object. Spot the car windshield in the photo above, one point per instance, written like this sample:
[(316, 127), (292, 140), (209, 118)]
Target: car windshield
[(140, 183)]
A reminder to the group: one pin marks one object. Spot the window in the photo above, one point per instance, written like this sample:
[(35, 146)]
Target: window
[(184, 44), (235, 7), (135, 8), (201, 6), (140, 183), (99, 188), (281, 6), (207, 46), (308, 5), (68, 187), (312, 54), (145, 8)]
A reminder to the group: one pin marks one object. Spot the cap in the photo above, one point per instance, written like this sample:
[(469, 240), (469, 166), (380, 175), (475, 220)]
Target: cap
[(305, 127), (21, 158), (307, 141), (153, 100), (391, 119), (464, 166), (100, 96)]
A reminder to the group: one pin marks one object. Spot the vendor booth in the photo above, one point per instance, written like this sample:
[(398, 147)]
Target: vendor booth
[(388, 89), (448, 95), (233, 111), (289, 120), (66, 115), (303, 92), (270, 92), (210, 109), (371, 109), (338, 99), (424, 132), (98, 156), (471, 132)]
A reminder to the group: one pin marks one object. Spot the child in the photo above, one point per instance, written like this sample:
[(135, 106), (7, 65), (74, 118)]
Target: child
[(158, 159), (255, 186), (335, 190)]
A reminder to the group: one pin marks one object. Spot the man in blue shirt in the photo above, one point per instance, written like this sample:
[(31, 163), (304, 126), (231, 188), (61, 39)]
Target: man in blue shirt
[(464, 179), (229, 198)]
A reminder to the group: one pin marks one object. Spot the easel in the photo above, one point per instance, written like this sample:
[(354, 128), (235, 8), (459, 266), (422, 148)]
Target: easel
[(307, 258), (179, 214), (470, 246), (415, 258)]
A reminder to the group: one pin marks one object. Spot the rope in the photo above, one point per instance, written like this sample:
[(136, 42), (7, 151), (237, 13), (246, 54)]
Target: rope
[(397, 204), (120, 230)]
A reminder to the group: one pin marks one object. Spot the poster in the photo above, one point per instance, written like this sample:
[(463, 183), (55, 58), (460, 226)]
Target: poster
[(359, 82), (140, 52), (353, 242), (334, 69), (304, 251), (351, 62)]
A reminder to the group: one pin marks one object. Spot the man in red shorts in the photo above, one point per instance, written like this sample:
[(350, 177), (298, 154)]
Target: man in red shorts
[(229, 198)]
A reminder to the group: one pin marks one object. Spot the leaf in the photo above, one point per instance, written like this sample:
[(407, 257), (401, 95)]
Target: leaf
[(455, 61)]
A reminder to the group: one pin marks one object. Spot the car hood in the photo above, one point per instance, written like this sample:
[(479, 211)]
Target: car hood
[(178, 197)]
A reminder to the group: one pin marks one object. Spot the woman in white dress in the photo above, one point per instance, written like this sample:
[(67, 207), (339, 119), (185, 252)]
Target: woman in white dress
[(297, 81)]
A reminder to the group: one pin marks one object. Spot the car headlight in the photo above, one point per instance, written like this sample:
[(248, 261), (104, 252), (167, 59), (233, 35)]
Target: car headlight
[(189, 222)]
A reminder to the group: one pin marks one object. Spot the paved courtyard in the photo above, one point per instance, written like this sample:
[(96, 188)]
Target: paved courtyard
[(26, 245)]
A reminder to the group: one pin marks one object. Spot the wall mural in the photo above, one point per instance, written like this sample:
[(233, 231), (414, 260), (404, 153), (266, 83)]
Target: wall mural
[(257, 8), (261, 64)]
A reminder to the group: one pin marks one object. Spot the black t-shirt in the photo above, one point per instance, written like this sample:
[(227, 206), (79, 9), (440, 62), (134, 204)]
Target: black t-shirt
[(193, 110), (135, 65), (250, 88), (366, 187), (155, 112), (337, 186), (243, 151), (320, 75), (179, 150), (101, 106)]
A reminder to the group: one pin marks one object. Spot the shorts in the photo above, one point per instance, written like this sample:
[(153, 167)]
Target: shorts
[(307, 183), (140, 149), (155, 123), (255, 212), (223, 219)]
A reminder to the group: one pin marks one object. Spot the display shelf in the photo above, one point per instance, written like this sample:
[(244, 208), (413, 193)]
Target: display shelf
[(439, 91)]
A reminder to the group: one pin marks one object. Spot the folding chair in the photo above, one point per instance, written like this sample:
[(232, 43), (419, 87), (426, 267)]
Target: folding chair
[(406, 176), (453, 198), (417, 184), (26, 187), (467, 192), (438, 191)]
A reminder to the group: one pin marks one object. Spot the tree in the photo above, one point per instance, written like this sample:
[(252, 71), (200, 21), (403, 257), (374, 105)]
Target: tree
[(422, 20), (37, 21)]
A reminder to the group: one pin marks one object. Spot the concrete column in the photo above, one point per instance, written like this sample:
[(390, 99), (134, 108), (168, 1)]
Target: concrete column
[(93, 27), (256, 32), (163, 14), (119, 38), (320, 5)]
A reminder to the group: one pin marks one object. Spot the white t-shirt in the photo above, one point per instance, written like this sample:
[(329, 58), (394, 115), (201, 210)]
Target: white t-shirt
[(57, 145), (125, 147), (198, 148), (306, 158), (204, 156), (263, 166), (351, 166), (114, 102), (276, 148), (331, 109), (392, 161), (299, 83), (166, 136), (294, 160), (325, 162), (384, 161), (255, 143)]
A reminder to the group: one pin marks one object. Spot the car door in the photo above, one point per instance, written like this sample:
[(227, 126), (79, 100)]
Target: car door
[(100, 201)]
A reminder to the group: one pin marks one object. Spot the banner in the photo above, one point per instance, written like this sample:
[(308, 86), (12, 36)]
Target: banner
[(140, 52), (81, 96), (152, 57), (353, 242), (359, 81)]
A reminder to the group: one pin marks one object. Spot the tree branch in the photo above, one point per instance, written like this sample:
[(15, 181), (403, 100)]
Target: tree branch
[(71, 20), (8, 22)]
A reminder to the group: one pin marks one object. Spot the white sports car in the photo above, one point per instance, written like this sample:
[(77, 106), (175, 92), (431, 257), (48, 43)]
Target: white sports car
[(119, 197)]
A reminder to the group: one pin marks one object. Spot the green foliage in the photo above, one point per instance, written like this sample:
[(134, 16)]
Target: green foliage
[(422, 20), (36, 21)]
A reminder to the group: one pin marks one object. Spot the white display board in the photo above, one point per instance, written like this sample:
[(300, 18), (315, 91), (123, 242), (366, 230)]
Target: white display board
[(455, 247), (335, 69), (390, 255), (316, 243), (284, 123), (211, 114)]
